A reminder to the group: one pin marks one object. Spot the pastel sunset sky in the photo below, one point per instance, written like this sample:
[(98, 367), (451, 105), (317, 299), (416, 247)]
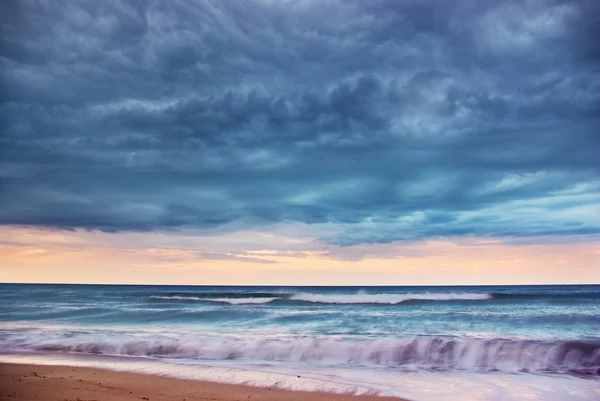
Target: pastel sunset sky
[(296, 142)]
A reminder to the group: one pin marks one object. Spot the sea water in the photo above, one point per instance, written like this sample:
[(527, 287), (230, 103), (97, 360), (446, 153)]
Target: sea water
[(423, 343)]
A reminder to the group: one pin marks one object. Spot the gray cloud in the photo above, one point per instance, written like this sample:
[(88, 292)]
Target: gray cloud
[(394, 120)]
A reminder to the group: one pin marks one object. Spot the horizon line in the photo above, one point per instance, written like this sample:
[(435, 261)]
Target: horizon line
[(317, 285)]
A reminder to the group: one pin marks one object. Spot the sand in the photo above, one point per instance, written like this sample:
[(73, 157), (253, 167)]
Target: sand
[(65, 383)]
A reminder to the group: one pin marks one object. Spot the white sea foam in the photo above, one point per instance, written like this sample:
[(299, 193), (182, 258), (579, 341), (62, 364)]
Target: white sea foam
[(241, 301), (420, 386), (359, 298), (233, 301), (421, 353), (391, 299), (177, 297), (195, 372)]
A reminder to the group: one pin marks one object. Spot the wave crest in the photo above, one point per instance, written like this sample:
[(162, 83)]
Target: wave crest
[(233, 301), (409, 354), (359, 298), (390, 299)]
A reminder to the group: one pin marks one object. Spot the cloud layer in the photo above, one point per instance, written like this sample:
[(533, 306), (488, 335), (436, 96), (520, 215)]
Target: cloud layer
[(373, 121)]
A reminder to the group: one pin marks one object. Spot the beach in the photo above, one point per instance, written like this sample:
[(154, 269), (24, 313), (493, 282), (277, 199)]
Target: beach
[(52, 383)]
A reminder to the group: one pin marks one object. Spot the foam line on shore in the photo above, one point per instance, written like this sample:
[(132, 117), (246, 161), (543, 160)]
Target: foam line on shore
[(191, 372)]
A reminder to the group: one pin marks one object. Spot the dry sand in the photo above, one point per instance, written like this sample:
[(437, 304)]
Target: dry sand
[(64, 383)]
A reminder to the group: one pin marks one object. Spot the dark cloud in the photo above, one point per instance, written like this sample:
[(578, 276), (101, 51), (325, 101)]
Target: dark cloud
[(394, 120)]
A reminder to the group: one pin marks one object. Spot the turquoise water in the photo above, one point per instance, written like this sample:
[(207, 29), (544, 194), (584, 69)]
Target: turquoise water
[(517, 330)]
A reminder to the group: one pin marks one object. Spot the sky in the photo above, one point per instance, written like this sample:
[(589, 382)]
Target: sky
[(330, 142)]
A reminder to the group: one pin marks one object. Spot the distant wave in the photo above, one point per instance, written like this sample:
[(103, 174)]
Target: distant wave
[(360, 298), (224, 294), (409, 354), (233, 301), (241, 301), (176, 298), (390, 299), (240, 298)]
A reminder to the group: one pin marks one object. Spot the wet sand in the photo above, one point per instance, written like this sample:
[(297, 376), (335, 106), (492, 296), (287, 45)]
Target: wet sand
[(65, 383)]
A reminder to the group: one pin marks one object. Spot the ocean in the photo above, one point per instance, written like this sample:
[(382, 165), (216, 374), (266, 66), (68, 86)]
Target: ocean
[(423, 343)]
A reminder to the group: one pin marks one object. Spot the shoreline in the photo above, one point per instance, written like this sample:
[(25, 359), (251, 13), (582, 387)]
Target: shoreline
[(25, 381)]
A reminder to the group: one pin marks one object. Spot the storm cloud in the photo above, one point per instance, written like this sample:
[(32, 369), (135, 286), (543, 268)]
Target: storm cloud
[(375, 120)]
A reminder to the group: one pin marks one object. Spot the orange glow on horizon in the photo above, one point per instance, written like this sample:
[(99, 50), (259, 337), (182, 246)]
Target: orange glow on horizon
[(32, 255)]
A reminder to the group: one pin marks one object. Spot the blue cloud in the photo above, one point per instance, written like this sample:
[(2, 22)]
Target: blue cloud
[(391, 119)]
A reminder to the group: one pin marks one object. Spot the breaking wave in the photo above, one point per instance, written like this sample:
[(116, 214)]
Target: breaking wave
[(408, 354), (233, 301), (240, 298), (241, 301), (390, 299), (360, 298)]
